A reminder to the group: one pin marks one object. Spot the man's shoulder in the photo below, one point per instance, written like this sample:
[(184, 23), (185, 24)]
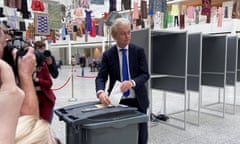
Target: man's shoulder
[(134, 46), (111, 50), (131, 45)]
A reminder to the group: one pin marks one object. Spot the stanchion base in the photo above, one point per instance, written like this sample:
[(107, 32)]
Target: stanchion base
[(72, 99)]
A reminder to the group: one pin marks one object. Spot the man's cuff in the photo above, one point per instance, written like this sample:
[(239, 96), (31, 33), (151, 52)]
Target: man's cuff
[(133, 83), (98, 92)]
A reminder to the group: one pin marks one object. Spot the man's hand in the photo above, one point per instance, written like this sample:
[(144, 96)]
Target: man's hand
[(104, 99), (126, 85), (26, 64)]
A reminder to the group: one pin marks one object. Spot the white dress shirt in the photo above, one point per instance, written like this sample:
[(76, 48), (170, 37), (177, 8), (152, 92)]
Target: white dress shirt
[(132, 93)]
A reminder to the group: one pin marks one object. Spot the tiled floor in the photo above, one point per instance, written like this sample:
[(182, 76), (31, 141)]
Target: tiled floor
[(212, 129)]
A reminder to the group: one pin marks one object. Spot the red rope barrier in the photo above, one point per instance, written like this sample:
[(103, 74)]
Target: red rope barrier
[(86, 76), (54, 89)]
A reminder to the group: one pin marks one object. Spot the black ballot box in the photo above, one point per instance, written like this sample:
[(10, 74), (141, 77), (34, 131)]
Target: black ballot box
[(89, 123)]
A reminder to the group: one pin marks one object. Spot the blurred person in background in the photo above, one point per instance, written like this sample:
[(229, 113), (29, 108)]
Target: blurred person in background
[(82, 62), (73, 62), (43, 83), (49, 58)]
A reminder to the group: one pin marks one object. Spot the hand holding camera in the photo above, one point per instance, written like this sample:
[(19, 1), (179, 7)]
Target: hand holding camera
[(20, 55), (26, 63), (49, 60)]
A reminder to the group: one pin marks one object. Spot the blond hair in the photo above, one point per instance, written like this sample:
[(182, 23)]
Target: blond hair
[(32, 130)]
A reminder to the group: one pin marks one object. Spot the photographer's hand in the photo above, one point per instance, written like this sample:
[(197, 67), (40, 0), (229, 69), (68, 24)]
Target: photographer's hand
[(49, 60), (26, 67), (26, 63), (35, 77), (11, 99)]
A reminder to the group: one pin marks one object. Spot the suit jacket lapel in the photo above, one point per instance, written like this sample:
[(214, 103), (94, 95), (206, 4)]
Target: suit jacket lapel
[(131, 58), (117, 62)]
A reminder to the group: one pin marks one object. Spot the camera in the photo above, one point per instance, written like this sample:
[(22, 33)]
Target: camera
[(47, 53), (20, 44)]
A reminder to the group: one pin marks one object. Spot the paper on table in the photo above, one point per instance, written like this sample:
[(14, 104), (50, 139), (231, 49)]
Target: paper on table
[(116, 94)]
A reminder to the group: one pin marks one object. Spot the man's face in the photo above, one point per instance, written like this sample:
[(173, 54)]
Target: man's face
[(123, 35)]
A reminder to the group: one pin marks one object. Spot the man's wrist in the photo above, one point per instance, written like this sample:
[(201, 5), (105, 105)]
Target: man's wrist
[(99, 92), (133, 83)]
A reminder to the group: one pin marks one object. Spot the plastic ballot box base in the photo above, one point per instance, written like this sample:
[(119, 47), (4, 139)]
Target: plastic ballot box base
[(89, 123)]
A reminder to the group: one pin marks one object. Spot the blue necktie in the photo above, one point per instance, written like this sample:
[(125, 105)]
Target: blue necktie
[(125, 69)]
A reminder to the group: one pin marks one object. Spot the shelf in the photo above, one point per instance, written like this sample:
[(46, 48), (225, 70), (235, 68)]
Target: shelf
[(195, 2)]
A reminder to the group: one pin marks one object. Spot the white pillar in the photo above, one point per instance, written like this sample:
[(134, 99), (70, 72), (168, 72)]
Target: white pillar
[(69, 50), (103, 46)]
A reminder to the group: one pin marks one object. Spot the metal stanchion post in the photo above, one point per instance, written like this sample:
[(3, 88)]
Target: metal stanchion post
[(73, 98)]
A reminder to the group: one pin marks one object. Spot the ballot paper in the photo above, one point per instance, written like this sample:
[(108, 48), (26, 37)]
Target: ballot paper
[(116, 94)]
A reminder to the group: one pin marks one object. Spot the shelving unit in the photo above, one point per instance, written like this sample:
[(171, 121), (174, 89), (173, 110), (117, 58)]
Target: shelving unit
[(194, 71), (166, 53), (214, 69), (167, 57), (238, 62), (231, 76), (142, 38), (168, 67), (195, 2)]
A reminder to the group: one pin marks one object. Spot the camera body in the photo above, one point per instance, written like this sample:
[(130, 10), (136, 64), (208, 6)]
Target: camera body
[(17, 42)]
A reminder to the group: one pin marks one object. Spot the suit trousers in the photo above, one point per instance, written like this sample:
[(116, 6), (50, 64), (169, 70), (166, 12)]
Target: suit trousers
[(143, 128)]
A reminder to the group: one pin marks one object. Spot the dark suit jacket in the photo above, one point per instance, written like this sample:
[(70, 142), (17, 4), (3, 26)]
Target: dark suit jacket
[(138, 70), (82, 61)]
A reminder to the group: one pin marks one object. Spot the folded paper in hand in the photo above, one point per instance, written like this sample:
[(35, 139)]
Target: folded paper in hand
[(116, 94)]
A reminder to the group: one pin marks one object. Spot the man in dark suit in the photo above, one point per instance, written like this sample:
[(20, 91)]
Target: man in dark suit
[(111, 66)]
